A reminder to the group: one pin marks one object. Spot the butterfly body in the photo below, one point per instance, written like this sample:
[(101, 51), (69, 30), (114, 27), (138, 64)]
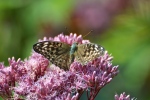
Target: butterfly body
[(73, 49), (62, 54)]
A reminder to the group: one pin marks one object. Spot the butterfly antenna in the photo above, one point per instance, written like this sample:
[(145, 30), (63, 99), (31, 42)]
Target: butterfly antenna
[(88, 33), (67, 30)]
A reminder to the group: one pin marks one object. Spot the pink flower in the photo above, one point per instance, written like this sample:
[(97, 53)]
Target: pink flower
[(66, 39), (35, 78), (123, 96)]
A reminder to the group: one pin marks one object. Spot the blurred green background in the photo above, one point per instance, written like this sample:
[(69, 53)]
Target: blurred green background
[(121, 26)]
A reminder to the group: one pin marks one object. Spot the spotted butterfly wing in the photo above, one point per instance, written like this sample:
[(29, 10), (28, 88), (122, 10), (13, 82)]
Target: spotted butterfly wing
[(62, 55), (57, 52), (88, 52)]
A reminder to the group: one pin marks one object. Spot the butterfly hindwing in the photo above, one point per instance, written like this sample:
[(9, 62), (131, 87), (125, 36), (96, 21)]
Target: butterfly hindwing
[(88, 52), (56, 52)]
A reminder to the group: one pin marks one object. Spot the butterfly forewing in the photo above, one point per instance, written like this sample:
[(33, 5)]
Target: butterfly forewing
[(88, 52), (56, 52)]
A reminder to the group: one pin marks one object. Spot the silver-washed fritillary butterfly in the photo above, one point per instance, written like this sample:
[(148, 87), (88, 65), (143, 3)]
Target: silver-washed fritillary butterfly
[(62, 54)]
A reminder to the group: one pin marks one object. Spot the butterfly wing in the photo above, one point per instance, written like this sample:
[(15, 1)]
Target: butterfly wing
[(88, 52), (56, 52)]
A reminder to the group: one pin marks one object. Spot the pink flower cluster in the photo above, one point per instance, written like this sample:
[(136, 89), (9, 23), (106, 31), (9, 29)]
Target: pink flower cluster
[(36, 79), (123, 96)]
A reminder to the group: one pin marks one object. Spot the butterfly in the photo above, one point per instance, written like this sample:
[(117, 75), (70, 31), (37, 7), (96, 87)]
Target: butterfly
[(62, 54)]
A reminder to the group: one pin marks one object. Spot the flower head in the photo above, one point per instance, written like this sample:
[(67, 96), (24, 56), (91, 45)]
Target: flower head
[(66, 39), (36, 78), (123, 96)]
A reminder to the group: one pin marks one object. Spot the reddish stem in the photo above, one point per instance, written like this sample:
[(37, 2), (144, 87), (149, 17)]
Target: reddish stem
[(80, 93)]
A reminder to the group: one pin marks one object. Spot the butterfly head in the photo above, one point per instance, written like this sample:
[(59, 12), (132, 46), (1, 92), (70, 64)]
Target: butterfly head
[(74, 47)]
